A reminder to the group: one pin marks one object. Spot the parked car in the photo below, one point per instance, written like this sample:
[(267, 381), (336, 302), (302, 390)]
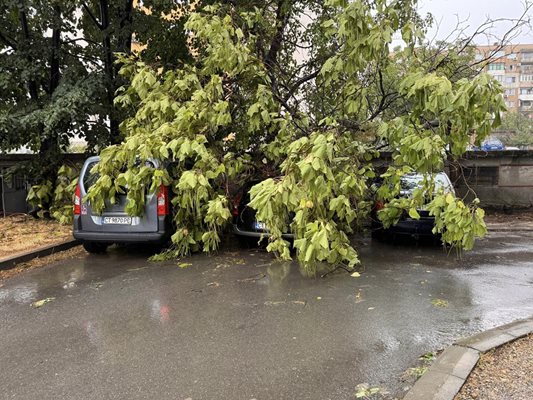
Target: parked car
[(246, 227), (408, 226), (114, 225), (492, 144)]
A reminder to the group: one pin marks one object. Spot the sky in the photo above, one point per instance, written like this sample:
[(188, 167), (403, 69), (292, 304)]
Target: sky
[(475, 12)]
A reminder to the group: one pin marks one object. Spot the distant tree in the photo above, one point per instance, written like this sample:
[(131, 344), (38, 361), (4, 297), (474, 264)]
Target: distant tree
[(48, 93), (516, 130), (59, 73)]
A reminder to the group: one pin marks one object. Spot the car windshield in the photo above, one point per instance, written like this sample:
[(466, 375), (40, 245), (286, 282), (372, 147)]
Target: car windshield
[(410, 182)]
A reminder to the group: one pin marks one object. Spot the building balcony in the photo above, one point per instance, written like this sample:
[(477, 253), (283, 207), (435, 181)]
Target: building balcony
[(526, 97)]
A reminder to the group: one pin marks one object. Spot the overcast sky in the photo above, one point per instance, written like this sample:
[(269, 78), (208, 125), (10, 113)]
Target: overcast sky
[(475, 12)]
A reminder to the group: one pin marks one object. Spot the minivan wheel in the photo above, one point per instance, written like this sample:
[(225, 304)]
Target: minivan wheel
[(94, 247)]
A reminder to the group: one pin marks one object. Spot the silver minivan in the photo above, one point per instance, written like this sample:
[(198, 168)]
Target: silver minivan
[(114, 225)]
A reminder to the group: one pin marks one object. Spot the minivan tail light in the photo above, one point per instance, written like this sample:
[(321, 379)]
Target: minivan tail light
[(163, 203), (77, 200), (236, 202)]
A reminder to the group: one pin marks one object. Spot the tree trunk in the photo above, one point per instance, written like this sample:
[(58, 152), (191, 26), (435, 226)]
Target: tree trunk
[(32, 85), (110, 67), (109, 70), (50, 155), (49, 152)]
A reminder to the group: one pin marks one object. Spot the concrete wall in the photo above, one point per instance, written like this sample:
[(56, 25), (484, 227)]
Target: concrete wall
[(501, 179), (14, 189)]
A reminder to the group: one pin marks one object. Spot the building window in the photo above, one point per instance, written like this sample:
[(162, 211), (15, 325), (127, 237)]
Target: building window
[(526, 78), (509, 104), (511, 56), (509, 92), (510, 79), (527, 56), (497, 67), (499, 78), (526, 91)]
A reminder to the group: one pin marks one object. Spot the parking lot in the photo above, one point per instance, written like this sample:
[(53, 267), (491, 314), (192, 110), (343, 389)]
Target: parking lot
[(239, 325)]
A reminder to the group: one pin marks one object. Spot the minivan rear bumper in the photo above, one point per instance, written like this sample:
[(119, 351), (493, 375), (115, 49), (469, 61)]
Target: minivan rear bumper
[(124, 236), (130, 237)]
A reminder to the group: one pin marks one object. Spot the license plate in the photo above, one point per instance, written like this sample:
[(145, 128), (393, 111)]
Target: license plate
[(260, 226), (117, 220)]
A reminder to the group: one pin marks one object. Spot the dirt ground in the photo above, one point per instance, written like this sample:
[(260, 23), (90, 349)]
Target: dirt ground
[(505, 373), (21, 232), (519, 216)]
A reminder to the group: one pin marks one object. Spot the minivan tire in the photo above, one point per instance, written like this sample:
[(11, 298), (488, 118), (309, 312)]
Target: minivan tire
[(95, 248)]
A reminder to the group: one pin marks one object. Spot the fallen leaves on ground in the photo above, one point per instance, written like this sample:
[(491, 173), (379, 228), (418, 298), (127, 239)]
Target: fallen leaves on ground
[(365, 391), (417, 371), (40, 303), (184, 265), (96, 285), (439, 303), (21, 232)]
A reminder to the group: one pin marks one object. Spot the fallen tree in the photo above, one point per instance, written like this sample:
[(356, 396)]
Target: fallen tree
[(300, 95)]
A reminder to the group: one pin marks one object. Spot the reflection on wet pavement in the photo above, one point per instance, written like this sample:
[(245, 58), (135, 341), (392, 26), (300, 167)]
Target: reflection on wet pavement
[(241, 325)]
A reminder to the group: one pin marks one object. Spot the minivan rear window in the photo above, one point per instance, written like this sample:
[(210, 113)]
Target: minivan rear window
[(90, 178)]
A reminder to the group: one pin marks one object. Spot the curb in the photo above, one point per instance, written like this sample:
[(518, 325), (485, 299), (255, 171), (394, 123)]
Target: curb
[(503, 227), (10, 262), (448, 373)]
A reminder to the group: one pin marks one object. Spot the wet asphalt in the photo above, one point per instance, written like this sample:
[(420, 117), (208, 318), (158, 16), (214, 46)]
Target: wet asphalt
[(239, 325)]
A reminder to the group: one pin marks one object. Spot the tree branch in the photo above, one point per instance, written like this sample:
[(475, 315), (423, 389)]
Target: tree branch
[(282, 18), (7, 41), (91, 15)]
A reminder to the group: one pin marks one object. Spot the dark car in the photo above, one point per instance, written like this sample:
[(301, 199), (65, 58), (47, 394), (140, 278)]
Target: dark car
[(407, 226), (114, 225), (245, 225)]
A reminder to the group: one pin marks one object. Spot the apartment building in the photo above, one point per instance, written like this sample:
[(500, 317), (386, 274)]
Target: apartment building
[(513, 68)]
